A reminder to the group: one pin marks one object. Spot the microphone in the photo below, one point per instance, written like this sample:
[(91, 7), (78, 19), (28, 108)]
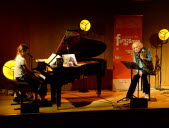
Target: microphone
[(140, 52), (31, 56), (138, 55)]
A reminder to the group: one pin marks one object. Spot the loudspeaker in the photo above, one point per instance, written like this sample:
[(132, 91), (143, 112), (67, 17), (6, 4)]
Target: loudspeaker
[(29, 108), (138, 103)]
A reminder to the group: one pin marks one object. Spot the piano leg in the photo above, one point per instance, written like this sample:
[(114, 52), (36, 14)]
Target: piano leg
[(56, 94), (53, 93), (99, 83)]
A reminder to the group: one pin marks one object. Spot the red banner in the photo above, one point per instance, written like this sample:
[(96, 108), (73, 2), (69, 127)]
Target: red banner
[(127, 29)]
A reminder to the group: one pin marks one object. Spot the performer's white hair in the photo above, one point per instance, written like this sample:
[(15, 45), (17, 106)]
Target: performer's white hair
[(138, 44)]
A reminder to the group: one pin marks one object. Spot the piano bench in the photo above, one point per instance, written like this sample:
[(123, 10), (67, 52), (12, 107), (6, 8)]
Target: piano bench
[(19, 88), (20, 99)]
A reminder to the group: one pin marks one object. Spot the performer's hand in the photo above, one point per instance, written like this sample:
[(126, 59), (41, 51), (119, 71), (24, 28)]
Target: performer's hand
[(35, 71), (36, 74), (141, 57), (140, 73)]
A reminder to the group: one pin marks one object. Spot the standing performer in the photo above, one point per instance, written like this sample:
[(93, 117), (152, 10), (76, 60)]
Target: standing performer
[(143, 58)]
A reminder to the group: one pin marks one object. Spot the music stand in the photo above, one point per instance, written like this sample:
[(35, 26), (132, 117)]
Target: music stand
[(131, 66)]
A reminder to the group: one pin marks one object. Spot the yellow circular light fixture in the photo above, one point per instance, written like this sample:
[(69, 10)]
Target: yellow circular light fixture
[(8, 69), (85, 25), (163, 34)]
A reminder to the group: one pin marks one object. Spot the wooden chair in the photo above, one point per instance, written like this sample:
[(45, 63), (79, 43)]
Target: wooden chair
[(149, 75)]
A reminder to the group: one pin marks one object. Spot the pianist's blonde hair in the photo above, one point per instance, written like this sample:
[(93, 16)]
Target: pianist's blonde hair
[(21, 48)]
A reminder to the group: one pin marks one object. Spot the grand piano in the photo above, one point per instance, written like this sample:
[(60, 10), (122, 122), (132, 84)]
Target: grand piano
[(85, 50)]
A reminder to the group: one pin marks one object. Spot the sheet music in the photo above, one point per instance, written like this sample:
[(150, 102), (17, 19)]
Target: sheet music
[(51, 59), (69, 60)]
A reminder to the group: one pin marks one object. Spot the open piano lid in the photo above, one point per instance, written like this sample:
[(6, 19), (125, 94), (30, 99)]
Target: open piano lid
[(83, 48)]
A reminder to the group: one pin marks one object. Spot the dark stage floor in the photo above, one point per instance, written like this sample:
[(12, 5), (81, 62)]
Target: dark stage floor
[(86, 109)]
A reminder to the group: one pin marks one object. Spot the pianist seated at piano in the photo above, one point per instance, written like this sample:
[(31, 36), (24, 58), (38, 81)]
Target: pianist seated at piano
[(24, 74)]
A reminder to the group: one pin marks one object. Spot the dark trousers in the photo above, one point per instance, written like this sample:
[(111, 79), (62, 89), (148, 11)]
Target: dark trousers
[(36, 85), (134, 82)]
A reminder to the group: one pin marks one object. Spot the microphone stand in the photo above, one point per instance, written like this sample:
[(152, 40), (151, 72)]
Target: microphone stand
[(31, 58), (161, 65), (131, 66), (36, 61)]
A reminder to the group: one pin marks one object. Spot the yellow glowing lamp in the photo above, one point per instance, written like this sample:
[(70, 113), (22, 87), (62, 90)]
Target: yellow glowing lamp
[(163, 34), (85, 25), (8, 69)]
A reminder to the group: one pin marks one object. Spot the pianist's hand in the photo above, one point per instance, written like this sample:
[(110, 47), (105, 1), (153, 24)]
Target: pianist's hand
[(35, 71)]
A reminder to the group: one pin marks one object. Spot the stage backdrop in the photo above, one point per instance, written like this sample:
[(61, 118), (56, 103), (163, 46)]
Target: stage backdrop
[(127, 29)]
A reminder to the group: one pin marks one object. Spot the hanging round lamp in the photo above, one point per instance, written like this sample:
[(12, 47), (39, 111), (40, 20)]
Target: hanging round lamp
[(163, 34), (8, 69), (85, 25)]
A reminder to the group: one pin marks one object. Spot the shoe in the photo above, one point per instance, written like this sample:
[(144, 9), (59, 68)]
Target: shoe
[(16, 99), (146, 96), (26, 99), (126, 99), (36, 101)]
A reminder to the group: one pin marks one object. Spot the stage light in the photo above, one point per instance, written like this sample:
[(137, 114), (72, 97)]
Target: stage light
[(85, 25), (8, 69), (163, 34)]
